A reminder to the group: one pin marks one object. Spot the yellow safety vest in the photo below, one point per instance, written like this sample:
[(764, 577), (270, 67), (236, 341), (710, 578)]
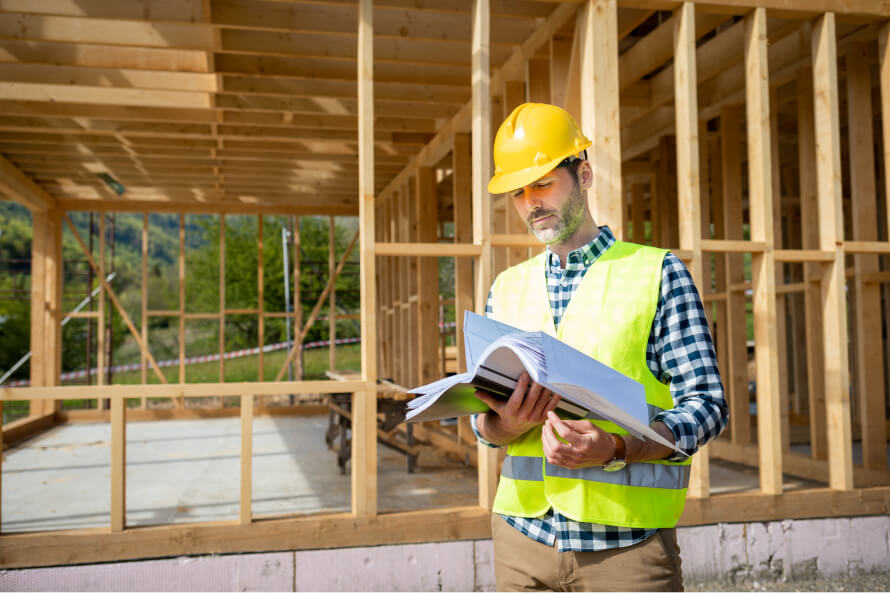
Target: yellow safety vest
[(609, 318)]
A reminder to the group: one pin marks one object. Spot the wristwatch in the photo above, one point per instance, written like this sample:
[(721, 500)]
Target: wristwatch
[(618, 461)]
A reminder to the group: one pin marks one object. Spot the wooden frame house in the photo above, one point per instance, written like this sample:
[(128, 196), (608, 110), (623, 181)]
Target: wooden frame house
[(741, 134)]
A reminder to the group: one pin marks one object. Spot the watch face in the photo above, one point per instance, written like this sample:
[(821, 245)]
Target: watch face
[(615, 465)]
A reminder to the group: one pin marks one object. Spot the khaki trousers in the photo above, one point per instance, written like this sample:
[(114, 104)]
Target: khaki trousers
[(522, 564)]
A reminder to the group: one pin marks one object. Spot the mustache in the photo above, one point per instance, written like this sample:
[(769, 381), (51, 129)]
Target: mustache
[(539, 214)]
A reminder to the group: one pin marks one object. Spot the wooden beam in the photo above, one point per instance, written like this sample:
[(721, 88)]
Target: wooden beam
[(364, 402), (688, 181), (427, 337), (481, 169), (884, 81), (809, 215), (118, 465), (598, 22), (332, 300), (763, 265), (869, 346), (245, 512), (831, 229), (20, 188), (736, 375)]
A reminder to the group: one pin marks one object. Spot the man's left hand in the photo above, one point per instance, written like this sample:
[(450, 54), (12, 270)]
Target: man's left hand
[(585, 443)]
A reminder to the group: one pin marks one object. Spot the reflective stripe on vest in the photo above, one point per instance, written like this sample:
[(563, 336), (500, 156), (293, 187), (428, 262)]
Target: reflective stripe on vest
[(641, 475)]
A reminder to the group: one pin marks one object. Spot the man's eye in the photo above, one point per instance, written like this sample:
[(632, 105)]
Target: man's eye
[(543, 185)]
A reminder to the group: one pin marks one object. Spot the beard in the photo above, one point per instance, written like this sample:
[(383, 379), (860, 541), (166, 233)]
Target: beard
[(567, 219)]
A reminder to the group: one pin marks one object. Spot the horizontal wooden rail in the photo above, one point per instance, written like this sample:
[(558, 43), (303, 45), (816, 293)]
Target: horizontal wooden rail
[(514, 240), (803, 255), (730, 246), (181, 389), (428, 249), (867, 246), (83, 315)]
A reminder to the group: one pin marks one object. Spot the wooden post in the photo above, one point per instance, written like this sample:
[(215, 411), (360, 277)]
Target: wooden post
[(560, 57), (332, 299), (222, 300), (245, 513), (426, 340), (884, 68), (298, 301), (118, 464), (179, 402), (100, 325), (514, 96), (870, 348), (143, 361), (831, 234), (809, 219), (600, 110), (689, 181), (481, 151), (261, 305), (735, 376), (364, 404), (462, 186), (763, 264), (667, 219), (781, 301), (637, 212), (38, 361), (537, 80), (54, 269)]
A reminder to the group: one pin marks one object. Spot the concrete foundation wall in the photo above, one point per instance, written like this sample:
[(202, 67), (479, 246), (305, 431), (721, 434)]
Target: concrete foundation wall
[(732, 553)]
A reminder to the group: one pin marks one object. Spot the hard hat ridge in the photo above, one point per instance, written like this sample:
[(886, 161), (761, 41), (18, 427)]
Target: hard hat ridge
[(531, 142)]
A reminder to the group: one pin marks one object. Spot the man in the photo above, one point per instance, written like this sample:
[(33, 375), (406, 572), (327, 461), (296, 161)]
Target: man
[(581, 505)]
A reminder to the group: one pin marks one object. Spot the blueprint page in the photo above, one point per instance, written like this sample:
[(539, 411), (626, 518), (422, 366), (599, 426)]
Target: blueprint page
[(480, 332)]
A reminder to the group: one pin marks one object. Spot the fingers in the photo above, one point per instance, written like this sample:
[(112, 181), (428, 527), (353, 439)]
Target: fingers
[(488, 399), (567, 432), (517, 398)]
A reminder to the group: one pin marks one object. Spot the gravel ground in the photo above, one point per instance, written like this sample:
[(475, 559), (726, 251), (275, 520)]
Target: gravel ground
[(877, 581)]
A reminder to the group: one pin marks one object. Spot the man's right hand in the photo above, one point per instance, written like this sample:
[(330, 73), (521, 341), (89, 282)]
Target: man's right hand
[(526, 408)]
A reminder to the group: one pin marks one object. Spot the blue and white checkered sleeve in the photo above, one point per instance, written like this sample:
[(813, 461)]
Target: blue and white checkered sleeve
[(680, 351), (488, 310)]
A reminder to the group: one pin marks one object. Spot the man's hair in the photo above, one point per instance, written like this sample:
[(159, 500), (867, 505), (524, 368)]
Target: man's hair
[(570, 164)]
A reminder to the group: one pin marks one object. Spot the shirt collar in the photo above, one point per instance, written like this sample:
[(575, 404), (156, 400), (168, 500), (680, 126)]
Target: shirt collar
[(583, 257)]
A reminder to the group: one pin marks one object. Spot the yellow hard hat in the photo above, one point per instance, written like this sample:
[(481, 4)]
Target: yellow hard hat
[(531, 142)]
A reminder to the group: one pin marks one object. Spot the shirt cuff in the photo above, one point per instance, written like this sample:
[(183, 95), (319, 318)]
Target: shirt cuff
[(479, 436), (684, 432)]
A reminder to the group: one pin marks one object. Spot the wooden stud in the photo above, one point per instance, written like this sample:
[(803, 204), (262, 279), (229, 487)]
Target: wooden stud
[(298, 301), (514, 96), (638, 212), (537, 80), (809, 216), (364, 403), (560, 56), (179, 402), (462, 187), (222, 300), (332, 299), (735, 376), (867, 304), (118, 464), (38, 305), (781, 301), (100, 326), (427, 277), (143, 362), (411, 306), (245, 513), (600, 110), (261, 305), (763, 265), (481, 150), (831, 228), (689, 181), (884, 76)]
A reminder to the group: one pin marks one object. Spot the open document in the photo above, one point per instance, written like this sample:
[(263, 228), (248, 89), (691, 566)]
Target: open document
[(498, 353)]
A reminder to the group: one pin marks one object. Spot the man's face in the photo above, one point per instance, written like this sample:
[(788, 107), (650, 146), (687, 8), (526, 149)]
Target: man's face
[(553, 207)]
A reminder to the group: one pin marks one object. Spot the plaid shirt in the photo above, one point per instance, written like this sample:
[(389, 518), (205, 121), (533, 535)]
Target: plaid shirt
[(679, 352)]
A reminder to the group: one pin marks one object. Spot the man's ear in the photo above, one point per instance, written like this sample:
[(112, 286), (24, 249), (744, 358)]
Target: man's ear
[(585, 175)]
